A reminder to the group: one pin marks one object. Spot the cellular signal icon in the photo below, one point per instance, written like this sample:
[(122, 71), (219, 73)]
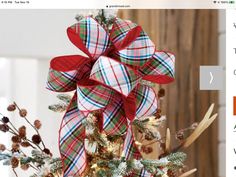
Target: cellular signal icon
[(224, 2)]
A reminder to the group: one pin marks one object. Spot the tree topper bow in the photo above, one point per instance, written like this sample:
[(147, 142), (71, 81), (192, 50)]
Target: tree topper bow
[(109, 79)]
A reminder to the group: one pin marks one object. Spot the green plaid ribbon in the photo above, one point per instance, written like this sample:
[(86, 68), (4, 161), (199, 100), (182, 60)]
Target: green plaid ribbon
[(107, 79)]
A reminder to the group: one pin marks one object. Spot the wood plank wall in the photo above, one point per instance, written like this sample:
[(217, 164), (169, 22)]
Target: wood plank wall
[(192, 36)]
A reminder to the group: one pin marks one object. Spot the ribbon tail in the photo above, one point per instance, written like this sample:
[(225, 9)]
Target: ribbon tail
[(130, 149), (114, 120), (71, 139)]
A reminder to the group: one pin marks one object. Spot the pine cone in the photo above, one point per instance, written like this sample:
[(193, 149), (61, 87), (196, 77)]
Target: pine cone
[(161, 93), (180, 135), (11, 107), (47, 151), (36, 139), (4, 128), (22, 132), (23, 112), (15, 147), (24, 167), (147, 150), (15, 139), (14, 162), (171, 173), (2, 147), (158, 116), (5, 119), (25, 144), (37, 124)]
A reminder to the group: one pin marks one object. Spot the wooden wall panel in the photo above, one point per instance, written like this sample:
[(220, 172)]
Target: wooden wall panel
[(192, 36)]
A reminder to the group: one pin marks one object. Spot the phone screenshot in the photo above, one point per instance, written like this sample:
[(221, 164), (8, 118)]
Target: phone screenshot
[(123, 88)]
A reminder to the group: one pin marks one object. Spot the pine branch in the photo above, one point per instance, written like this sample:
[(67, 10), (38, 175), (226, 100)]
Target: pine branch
[(65, 98), (103, 17), (145, 124), (61, 106)]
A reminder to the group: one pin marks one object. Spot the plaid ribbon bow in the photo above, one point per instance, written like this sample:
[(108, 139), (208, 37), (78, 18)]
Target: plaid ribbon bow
[(107, 79)]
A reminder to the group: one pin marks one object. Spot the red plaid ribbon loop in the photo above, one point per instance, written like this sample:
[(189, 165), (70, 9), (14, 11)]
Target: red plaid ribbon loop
[(93, 98), (115, 75), (138, 52), (160, 69), (89, 36), (108, 79), (146, 101)]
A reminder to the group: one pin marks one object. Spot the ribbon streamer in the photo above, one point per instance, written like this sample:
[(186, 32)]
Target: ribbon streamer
[(108, 79)]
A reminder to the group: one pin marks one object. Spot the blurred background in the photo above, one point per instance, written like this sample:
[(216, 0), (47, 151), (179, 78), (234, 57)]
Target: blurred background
[(30, 38)]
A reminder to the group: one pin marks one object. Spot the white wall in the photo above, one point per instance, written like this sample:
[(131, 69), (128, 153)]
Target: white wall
[(36, 33)]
